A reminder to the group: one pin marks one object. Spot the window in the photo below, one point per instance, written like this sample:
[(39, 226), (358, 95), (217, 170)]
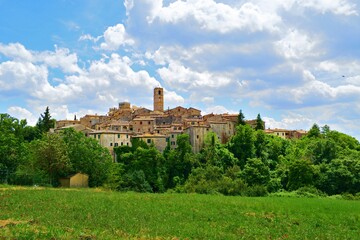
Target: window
[(94, 136), (167, 139), (148, 140), (116, 144), (127, 144), (118, 135), (159, 92), (122, 143), (98, 136), (172, 135), (110, 144), (149, 122), (127, 136), (173, 143), (197, 136), (140, 122)]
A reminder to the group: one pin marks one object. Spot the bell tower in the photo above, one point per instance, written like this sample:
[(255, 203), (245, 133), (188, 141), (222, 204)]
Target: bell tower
[(159, 99)]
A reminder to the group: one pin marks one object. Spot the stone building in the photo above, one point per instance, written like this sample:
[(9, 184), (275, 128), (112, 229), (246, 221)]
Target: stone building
[(161, 127), (159, 99), (159, 140), (111, 139), (197, 136)]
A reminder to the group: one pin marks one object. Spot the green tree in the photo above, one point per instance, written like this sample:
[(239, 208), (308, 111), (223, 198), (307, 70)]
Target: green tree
[(49, 155), (259, 123), (216, 154), (256, 172), (242, 144), (314, 131), (11, 144), (180, 161), (87, 156), (45, 121), (301, 174), (241, 118)]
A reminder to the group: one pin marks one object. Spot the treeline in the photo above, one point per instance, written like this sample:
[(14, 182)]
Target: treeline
[(33, 156), (252, 163)]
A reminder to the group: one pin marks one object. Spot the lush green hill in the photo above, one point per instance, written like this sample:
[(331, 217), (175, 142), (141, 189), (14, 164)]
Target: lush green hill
[(38, 213)]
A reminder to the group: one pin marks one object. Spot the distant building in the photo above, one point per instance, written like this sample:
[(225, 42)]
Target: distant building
[(285, 133), (158, 99), (158, 140), (197, 136), (111, 139), (161, 127), (78, 180)]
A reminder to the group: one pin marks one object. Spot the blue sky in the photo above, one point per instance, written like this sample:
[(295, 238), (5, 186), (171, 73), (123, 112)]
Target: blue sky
[(296, 62)]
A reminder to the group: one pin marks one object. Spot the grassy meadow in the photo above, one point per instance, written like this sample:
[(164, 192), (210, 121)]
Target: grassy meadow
[(49, 213)]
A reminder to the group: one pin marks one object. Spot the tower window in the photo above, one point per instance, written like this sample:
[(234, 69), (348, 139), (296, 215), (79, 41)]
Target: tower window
[(159, 92)]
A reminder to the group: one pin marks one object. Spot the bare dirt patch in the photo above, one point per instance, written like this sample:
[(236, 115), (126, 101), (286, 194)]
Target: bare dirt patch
[(10, 222)]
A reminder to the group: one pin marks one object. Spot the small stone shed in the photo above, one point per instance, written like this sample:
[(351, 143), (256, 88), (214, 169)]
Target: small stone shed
[(78, 180)]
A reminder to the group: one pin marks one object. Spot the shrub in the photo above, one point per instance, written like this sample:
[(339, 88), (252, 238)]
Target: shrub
[(310, 191), (256, 191)]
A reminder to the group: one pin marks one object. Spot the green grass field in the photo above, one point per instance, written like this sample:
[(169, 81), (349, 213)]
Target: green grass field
[(38, 213)]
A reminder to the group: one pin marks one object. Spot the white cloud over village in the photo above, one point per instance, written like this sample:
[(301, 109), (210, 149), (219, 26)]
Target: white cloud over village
[(282, 59)]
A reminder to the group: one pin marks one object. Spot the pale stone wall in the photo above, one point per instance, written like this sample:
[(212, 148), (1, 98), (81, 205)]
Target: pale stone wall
[(224, 130), (143, 125), (197, 136), (159, 99), (160, 141)]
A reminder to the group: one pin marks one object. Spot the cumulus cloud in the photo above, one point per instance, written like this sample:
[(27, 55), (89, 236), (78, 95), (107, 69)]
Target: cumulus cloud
[(60, 58), (213, 16), (218, 109), (180, 77), (298, 45), (340, 7), (16, 51), (22, 113), (115, 37), (172, 99), (22, 76)]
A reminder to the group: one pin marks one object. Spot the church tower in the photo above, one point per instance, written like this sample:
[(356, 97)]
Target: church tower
[(159, 99)]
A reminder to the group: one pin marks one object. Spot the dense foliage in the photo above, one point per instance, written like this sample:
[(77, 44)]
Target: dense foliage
[(252, 163), (30, 155)]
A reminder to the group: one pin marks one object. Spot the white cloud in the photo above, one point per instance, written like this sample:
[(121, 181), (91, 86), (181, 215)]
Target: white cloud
[(85, 37), (298, 46), (61, 58), (116, 37), (22, 76), (22, 113), (183, 78), (16, 51), (208, 100), (218, 109), (213, 16), (340, 7), (172, 99)]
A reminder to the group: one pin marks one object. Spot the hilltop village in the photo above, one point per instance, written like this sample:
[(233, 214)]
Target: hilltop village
[(160, 127)]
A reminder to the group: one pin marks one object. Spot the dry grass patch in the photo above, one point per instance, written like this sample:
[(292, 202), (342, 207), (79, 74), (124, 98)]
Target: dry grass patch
[(10, 222)]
